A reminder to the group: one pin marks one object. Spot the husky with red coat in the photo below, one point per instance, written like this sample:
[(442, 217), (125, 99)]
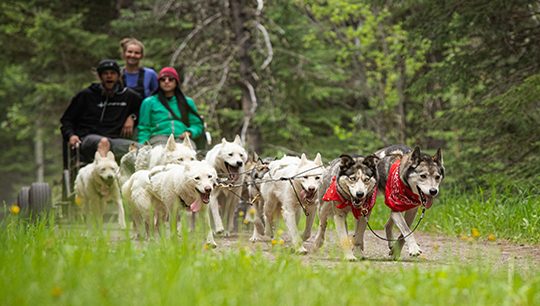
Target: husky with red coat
[(410, 179), (349, 185)]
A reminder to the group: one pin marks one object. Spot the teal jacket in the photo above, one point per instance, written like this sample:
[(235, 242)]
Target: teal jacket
[(155, 119)]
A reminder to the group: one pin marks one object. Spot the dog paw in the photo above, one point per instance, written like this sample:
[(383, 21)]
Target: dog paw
[(301, 251), (210, 245), (414, 250), (256, 238), (350, 257)]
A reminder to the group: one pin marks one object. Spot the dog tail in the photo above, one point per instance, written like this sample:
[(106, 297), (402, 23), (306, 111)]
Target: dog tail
[(126, 189)]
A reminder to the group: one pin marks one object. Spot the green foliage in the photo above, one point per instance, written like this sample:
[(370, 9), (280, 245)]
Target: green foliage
[(345, 76)]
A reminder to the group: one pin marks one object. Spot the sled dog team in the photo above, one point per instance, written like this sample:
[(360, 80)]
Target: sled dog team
[(159, 184)]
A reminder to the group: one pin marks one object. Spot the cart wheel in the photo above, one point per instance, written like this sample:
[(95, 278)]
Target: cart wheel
[(23, 199), (40, 197)]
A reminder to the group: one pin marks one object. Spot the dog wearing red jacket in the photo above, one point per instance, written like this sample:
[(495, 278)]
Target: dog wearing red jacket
[(410, 179)]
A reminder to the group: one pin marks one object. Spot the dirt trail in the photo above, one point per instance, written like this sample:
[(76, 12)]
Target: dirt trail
[(437, 250)]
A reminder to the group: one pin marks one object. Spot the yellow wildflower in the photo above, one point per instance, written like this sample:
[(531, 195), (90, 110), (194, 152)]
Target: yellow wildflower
[(475, 233), (274, 241), (56, 291), (491, 237), (14, 209), (241, 213)]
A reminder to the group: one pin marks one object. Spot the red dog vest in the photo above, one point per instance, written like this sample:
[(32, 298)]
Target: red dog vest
[(398, 196), (332, 194)]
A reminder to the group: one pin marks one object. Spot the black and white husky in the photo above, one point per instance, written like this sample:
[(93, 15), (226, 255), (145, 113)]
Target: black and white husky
[(349, 185), (410, 179)]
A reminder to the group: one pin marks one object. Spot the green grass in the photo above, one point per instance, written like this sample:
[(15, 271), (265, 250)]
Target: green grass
[(46, 265), (507, 213)]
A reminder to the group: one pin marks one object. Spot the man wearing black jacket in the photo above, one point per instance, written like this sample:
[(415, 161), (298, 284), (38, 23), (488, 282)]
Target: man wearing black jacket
[(102, 116)]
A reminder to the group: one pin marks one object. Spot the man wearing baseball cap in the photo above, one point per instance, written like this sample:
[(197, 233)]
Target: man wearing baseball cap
[(103, 116)]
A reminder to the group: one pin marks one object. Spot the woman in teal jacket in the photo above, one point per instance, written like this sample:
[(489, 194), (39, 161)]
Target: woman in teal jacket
[(168, 111)]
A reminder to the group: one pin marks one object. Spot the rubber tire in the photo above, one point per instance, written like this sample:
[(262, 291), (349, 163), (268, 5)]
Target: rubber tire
[(23, 199), (40, 198)]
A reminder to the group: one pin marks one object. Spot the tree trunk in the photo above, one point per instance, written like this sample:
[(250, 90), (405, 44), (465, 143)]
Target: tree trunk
[(243, 41)]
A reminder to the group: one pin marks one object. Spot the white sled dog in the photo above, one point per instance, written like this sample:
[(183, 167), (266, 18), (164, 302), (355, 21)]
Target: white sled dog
[(186, 187), (228, 158), (349, 185), (147, 157), (291, 185), (410, 179), (96, 184)]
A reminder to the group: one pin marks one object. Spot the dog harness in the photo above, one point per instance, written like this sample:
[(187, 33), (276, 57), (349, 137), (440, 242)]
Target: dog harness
[(398, 196), (332, 194)]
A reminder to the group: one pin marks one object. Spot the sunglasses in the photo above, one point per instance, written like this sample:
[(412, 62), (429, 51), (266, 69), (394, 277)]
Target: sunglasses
[(167, 79)]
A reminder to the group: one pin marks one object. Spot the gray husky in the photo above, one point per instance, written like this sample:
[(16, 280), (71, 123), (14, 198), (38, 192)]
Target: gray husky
[(349, 185), (410, 179)]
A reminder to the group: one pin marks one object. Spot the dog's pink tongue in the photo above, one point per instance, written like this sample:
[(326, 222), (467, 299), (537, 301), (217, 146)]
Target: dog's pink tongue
[(429, 202), (195, 206)]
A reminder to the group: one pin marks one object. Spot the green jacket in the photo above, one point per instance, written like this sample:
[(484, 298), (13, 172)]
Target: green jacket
[(155, 119)]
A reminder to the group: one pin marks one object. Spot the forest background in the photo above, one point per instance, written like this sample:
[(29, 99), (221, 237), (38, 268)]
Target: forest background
[(336, 76)]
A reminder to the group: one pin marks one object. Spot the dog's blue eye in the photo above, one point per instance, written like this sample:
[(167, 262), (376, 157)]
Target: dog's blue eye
[(352, 178)]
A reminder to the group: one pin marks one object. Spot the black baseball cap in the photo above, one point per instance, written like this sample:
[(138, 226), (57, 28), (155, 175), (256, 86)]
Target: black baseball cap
[(108, 64)]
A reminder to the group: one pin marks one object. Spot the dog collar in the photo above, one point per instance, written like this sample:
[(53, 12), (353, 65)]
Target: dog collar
[(398, 196), (332, 194)]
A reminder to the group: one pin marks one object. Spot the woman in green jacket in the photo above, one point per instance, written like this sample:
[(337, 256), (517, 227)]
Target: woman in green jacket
[(168, 111)]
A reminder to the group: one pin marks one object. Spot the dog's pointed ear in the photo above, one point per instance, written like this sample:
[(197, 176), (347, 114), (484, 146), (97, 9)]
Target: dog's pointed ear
[(223, 140), (171, 144), (97, 157), (238, 141), (371, 162), (256, 157), (415, 156), (346, 162), (318, 160), (303, 159), (438, 157), (187, 142), (110, 155)]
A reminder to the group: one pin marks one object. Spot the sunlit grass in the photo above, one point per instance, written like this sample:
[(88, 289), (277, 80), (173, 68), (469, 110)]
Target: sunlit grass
[(498, 213), (46, 265)]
